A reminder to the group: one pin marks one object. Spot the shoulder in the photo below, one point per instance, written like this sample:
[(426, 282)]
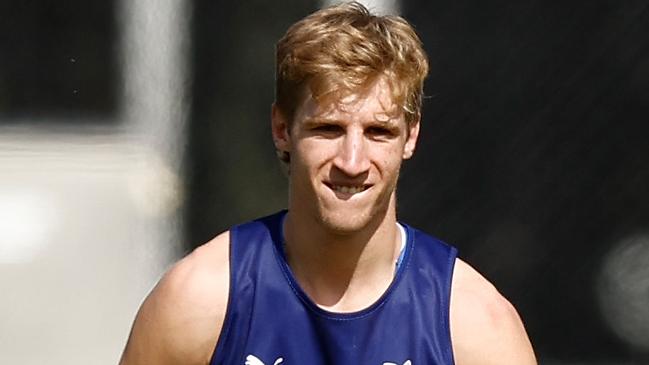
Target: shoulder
[(485, 327), (181, 319)]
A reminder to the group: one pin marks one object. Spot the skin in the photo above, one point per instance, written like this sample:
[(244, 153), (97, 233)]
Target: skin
[(341, 242), (342, 246)]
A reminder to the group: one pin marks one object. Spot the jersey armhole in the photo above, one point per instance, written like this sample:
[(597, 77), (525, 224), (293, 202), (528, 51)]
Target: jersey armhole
[(446, 315), (218, 353)]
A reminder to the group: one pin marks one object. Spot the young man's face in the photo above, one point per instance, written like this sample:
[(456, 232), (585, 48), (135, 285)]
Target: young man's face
[(345, 158)]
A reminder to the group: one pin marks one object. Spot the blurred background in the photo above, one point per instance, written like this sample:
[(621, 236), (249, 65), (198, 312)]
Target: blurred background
[(133, 131)]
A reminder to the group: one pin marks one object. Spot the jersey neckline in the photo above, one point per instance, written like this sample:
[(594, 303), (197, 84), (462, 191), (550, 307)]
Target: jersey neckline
[(280, 254)]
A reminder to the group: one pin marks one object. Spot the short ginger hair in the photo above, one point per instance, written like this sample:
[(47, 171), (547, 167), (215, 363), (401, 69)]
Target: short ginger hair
[(343, 49)]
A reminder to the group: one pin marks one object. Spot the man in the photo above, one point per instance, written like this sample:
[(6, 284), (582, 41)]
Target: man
[(335, 279)]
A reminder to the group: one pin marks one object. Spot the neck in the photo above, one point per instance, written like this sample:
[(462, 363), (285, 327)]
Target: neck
[(343, 272)]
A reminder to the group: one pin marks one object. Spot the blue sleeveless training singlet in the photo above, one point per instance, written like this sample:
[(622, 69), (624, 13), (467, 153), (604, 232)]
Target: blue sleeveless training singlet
[(271, 321)]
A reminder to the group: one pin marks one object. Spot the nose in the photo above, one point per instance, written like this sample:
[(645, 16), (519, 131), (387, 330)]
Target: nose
[(351, 157)]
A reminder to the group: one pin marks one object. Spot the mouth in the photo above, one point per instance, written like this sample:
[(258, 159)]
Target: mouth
[(348, 189)]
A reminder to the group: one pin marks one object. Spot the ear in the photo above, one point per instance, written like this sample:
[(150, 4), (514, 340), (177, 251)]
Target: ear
[(411, 141), (280, 130)]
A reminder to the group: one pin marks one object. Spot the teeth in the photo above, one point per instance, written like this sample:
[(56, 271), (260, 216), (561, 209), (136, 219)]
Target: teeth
[(348, 189)]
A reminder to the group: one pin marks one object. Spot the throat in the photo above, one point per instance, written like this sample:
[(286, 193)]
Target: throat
[(344, 292), (345, 276)]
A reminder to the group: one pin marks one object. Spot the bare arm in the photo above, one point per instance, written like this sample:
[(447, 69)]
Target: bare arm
[(180, 321), (485, 327)]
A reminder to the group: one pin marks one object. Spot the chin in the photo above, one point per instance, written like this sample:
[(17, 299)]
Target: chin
[(343, 224), (347, 221)]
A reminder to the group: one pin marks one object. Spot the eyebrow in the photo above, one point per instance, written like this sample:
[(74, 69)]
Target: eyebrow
[(388, 122), (319, 120)]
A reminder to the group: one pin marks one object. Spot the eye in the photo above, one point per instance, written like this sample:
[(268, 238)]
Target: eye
[(327, 129), (381, 132)]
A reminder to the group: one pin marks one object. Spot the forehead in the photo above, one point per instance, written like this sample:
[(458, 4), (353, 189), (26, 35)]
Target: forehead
[(373, 103)]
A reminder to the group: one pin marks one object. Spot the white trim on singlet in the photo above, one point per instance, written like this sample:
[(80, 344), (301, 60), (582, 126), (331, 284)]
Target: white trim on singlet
[(404, 239)]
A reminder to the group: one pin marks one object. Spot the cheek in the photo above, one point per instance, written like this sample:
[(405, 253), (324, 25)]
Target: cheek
[(314, 153), (307, 161), (391, 158)]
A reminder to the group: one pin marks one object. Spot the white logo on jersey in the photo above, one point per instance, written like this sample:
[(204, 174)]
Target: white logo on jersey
[(253, 360)]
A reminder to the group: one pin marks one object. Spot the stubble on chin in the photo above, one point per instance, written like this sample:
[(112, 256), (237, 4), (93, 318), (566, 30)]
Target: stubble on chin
[(345, 221), (344, 224)]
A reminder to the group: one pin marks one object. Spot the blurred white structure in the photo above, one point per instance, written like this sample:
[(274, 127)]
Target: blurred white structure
[(623, 291), (378, 6), (89, 218)]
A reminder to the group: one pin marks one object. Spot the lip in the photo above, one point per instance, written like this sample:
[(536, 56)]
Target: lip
[(346, 195)]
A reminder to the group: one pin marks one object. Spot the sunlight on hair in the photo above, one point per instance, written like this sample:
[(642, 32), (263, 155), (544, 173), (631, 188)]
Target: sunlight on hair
[(342, 50)]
